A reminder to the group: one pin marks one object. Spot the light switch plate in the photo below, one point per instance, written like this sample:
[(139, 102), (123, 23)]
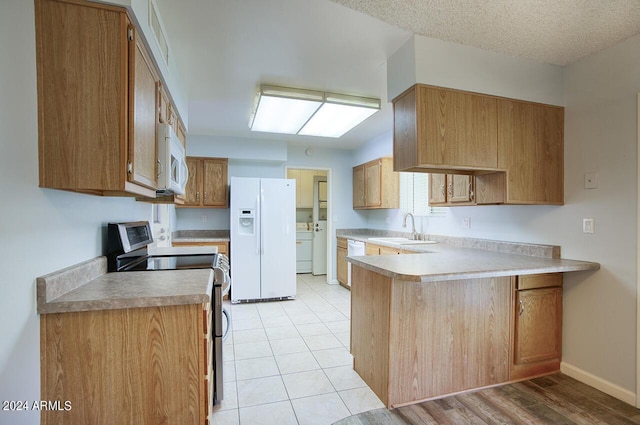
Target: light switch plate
[(591, 180), (588, 225)]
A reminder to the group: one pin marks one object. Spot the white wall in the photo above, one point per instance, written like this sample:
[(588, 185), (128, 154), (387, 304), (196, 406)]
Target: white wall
[(41, 230)]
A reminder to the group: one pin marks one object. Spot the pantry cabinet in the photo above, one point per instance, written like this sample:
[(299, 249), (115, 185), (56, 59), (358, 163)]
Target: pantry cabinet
[(537, 325), (376, 185), (137, 365), (207, 186), (514, 148), (451, 189), (97, 100)]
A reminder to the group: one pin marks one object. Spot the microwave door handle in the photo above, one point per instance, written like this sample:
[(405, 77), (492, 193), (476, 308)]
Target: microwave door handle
[(185, 173)]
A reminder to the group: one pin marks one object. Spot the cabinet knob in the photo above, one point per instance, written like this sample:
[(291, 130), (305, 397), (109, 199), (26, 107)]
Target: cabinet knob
[(197, 196)]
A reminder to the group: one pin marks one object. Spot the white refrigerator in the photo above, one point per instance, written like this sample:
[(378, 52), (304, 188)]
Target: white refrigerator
[(263, 238)]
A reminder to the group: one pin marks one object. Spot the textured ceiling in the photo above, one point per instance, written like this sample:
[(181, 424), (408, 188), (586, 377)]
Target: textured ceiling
[(549, 31)]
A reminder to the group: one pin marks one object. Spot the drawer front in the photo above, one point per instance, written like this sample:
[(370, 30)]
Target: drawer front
[(534, 281)]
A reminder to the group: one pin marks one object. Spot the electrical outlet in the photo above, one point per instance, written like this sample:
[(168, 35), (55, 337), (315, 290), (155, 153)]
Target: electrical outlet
[(588, 225), (466, 223), (204, 218)]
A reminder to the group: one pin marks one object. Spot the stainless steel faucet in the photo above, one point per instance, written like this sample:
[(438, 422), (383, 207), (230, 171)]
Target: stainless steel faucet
[(414, 234)]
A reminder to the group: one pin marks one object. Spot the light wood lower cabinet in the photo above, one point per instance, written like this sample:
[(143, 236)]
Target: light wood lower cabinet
[(375, 249), (341, 262), (413, 341), (223, 247), (537, 328), (130, 366)]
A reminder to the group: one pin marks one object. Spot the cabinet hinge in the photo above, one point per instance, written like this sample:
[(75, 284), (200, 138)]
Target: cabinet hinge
[(130, 33), (130, 167)]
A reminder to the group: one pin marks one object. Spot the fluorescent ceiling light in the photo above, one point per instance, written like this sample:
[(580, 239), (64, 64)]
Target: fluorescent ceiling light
[(283, 110), (310, 113)]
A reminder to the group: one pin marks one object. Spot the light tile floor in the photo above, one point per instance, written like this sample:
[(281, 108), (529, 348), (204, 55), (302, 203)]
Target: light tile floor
[(288, 362)]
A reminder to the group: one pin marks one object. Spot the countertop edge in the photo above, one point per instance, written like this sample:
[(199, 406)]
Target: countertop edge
[(90, 305), (439, 277)]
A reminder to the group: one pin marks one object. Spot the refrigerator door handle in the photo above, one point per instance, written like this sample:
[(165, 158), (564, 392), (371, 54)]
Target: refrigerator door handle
[(257, 223), (262, 237)]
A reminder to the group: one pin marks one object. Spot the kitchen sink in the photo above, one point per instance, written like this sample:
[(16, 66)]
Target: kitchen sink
[(400, 241)]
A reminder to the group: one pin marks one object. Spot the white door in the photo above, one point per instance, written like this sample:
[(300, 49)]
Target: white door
[(245, 238), (320, 205), (278, 244)]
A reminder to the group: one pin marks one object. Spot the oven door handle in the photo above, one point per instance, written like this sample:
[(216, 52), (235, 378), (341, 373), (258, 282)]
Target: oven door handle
[(228, 327)]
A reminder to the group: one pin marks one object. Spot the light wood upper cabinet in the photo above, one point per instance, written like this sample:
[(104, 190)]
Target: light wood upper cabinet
[(143, 152), (215, 189), (96, 100), (451, 189), (531, 148), (358, 187), (513, 147), (207, 186), (446, 129), (376, 185)]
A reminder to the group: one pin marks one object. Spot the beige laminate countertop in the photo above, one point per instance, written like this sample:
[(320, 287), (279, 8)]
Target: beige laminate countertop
[(120, 290), (441, 261)]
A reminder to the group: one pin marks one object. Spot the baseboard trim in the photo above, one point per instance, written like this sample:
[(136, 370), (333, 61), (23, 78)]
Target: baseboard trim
[(598, 383)]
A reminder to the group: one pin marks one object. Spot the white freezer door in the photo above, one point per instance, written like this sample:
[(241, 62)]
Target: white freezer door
[(278, 245), (245, 238)]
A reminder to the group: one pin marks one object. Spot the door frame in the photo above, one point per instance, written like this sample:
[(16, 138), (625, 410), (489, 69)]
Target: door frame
[(638, 258), (331, 270)]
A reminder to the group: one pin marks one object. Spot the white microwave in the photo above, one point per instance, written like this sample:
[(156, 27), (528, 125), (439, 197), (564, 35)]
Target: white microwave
[(172, 165)]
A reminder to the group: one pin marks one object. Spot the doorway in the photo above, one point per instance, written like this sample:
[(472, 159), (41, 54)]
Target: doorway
[(313, 229)]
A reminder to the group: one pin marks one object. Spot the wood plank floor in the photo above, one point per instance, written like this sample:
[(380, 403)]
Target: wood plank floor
[(555, 399)]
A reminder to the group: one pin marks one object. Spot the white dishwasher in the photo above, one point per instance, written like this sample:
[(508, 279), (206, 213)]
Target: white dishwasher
[(353, 248)]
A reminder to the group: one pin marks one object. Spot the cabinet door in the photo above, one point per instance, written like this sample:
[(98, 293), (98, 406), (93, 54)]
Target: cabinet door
[(460, 188), (358, 187), (371, 249), (306, 188), (538, 325), (373, 184), (341, 265), (531, 148), (182, 134), (437, 189), (194, 184), (143, 153), (457, 128), (214, 184)]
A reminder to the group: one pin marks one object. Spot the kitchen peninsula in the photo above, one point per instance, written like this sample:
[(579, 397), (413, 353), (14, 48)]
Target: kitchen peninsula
[(447, 319)]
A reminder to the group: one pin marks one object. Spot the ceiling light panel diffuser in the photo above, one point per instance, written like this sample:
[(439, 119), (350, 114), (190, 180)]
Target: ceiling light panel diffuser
[(308, 112), (333, 120)]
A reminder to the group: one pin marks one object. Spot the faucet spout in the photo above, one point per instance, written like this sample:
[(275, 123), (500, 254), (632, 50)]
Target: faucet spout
[(414, 234)]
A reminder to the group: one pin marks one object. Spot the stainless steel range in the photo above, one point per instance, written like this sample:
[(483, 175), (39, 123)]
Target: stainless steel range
[(129, 249)]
